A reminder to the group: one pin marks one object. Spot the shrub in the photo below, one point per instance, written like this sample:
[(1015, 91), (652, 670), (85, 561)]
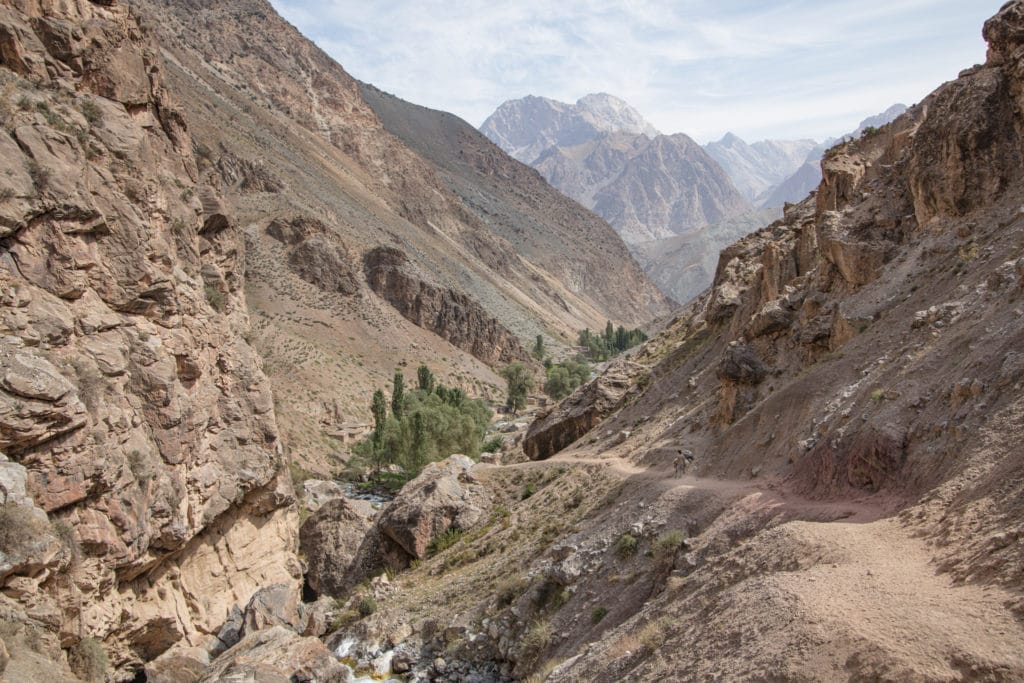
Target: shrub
[(40, 176), (18, 527), (367, 606), (668, 543), (444, 541), (66, 533), (91, 111), (598, 614), (88, 660), (492, 445), (528, 490), (536, 639), (510, 589), (141, 466), (6, 194), (626, 546), (652, 635), (215, 298)]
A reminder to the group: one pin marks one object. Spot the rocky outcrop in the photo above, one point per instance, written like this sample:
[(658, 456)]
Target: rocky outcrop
[(448, 314), (127, 392), (315, 254), (276, 655), (444, 496), (582, 411), (249, 177), (330, 540)]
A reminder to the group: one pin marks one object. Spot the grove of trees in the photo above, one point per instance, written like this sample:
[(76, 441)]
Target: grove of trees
[(427, 424)]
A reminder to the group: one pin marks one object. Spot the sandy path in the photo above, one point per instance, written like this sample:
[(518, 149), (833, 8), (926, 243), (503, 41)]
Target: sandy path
[(881, 593)]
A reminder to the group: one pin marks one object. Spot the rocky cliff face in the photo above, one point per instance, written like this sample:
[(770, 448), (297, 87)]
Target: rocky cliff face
[(805, 178), (141, 416), (450, 315)]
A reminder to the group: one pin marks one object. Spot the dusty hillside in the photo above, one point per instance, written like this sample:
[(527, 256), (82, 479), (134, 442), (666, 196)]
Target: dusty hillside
[(846, 403), (141, 496), (514, 201), (294, 141)]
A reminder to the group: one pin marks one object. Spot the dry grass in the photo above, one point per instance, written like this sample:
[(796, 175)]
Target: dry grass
[(88, 660), (19, 528)]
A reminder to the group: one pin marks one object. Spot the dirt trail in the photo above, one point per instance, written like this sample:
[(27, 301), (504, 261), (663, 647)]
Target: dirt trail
[(879, 592)]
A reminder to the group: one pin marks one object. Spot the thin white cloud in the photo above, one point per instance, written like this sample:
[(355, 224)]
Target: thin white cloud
[(762, 69)]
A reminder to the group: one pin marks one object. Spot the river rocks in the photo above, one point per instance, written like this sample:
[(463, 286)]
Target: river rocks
[(444, 496), (330, 540)]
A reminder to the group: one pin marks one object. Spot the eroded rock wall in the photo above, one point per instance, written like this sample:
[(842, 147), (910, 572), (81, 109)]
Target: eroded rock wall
[(127, 390)]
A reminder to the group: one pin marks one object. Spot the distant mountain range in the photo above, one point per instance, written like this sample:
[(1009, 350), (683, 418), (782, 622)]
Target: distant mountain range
[(602, 153), (673, 201), (526, 127), (758, 168)]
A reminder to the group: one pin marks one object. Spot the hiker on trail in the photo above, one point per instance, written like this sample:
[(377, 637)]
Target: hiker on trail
[(677, 465)]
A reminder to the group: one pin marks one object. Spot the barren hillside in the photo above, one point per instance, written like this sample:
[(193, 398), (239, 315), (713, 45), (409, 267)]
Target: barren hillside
[(294, 141)]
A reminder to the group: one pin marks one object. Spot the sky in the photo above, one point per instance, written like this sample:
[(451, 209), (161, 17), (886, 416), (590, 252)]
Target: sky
[(758, 68)]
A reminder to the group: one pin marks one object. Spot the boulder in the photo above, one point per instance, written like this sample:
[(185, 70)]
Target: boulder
[(276, 605), (581, 412), (444, 496), (451, 315), (330, 539), (277, 655), (326, 265), (741, 364), (317, 492), (180, 665)]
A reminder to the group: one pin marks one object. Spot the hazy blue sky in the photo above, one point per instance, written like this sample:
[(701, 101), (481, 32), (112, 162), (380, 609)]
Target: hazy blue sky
[(795, 68)]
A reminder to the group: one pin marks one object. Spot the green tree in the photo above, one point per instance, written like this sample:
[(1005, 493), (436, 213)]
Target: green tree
[(380, 416), (425, 379), (398, 395), (621, 339), (538, 348), (418, 451), (519, 383), (564, 378), (557, 384), (609, 333)]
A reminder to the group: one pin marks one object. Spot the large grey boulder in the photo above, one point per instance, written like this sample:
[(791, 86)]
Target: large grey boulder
[(444, 496), (330, 540)]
